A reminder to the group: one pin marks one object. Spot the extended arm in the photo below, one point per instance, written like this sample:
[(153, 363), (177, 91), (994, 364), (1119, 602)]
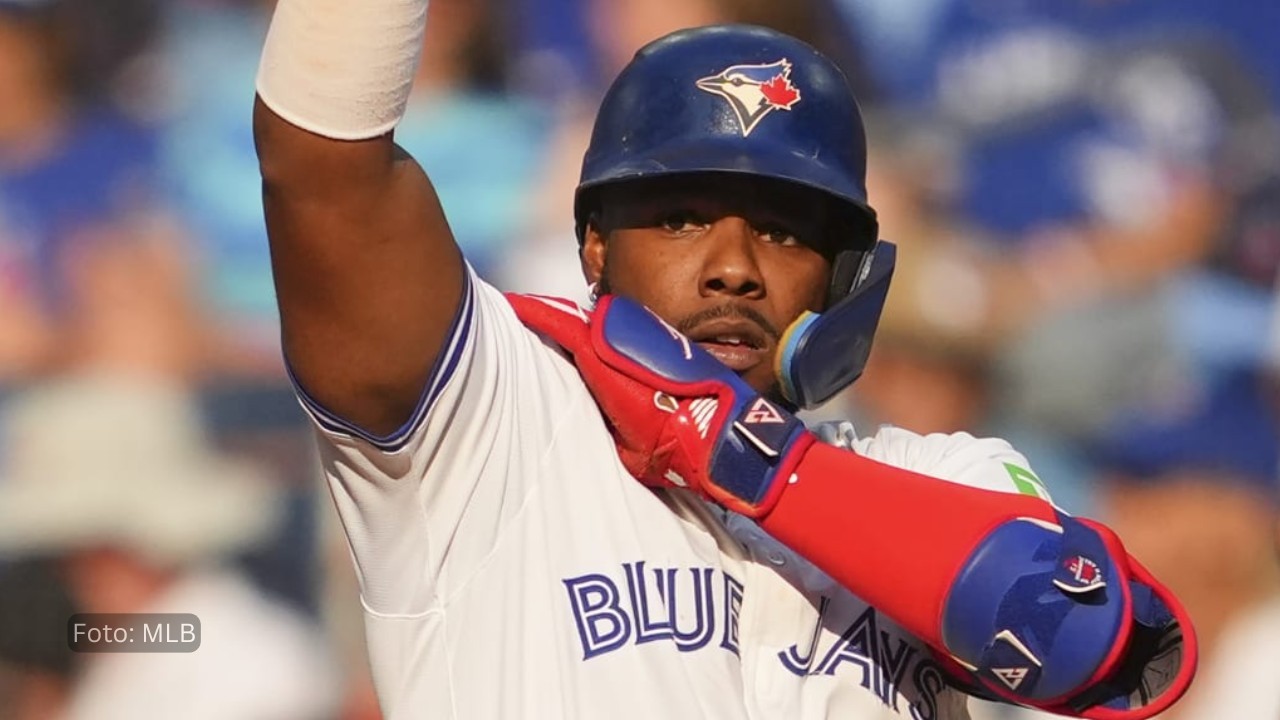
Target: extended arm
[(367, 273), (1021, 601)]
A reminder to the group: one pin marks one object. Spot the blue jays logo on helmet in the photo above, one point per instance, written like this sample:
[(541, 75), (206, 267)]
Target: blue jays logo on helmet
[(753, 91)]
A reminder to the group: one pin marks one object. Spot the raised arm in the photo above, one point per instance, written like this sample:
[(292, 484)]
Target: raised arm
[(368, 276)]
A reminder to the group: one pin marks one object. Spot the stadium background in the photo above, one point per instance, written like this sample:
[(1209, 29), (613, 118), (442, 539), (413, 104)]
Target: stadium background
[(1086, 196)]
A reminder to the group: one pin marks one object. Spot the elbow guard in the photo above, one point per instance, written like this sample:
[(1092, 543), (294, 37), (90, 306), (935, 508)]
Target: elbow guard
[(1061, 618)]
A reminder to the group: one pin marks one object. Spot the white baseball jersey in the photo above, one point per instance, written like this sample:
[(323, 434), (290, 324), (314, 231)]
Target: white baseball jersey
[(509, 567)]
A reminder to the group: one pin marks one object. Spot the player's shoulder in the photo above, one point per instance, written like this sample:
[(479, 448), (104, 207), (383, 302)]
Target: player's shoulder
[(981, 461)]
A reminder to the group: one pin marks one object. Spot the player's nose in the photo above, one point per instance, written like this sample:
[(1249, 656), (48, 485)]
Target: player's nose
[(729, 263)]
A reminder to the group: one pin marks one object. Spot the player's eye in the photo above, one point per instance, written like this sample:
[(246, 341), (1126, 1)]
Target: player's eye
[(779, 235), (680, 221)]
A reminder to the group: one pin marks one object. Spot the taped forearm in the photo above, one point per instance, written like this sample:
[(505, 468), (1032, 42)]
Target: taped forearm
[(342, 69)]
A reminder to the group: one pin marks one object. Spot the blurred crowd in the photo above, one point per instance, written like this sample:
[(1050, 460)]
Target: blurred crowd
[(1085, 195)]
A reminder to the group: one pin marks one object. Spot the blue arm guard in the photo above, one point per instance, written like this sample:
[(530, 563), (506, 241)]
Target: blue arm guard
[(1059, 617)]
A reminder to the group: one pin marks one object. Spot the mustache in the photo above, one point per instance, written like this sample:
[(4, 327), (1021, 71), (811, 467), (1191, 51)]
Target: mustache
[(688, 324)]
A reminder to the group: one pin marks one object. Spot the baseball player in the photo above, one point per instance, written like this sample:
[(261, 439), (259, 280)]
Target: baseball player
[(567, 512)]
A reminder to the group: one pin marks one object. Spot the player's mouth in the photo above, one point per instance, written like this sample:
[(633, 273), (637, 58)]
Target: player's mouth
[(739, 344)]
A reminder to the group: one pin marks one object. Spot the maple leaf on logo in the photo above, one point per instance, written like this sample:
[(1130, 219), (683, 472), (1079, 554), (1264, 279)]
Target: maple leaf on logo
[(780, 92)]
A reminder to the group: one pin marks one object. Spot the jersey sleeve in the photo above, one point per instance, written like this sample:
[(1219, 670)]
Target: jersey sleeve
[(423, 506), (988, 463)]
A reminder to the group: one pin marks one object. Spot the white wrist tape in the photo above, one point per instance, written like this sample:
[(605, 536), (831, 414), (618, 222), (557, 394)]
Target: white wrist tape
[(342, 68)]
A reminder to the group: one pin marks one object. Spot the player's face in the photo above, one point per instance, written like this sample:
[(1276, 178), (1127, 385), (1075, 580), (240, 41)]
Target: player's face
[(730, 261)]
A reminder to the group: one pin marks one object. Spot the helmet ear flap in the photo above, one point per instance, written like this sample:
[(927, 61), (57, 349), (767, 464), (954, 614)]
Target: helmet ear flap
[(823, 353)]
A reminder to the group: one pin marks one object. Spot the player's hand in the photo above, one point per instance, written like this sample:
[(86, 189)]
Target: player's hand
[(679, 417)]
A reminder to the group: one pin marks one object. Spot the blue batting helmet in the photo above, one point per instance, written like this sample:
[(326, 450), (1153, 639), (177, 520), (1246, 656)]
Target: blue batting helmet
[(735, 99)]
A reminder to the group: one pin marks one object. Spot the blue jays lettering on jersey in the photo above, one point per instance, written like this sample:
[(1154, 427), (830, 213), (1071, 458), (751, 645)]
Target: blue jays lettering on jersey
[(697, 609)]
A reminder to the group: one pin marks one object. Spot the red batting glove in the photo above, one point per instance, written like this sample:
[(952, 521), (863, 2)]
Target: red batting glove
[(678, 416)]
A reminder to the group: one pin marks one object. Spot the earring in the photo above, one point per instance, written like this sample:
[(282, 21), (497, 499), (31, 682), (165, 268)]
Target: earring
[(593, 292)]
